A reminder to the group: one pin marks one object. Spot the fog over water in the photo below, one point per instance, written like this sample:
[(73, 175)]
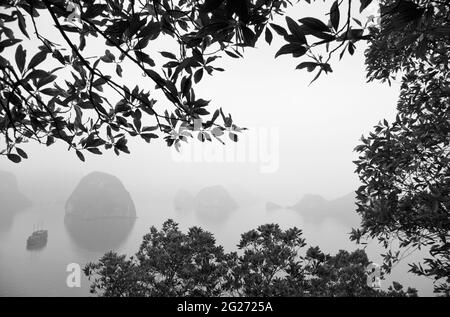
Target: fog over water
[(300, 141)]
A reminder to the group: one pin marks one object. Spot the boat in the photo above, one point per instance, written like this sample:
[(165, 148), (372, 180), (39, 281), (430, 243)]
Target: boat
[(37, 240)]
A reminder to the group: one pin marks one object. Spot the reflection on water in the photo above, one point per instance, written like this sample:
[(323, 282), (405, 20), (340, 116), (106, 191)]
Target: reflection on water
[(6, 221), (36, 248), (99, 235), (12, 200), (9, 211), (43, 273)]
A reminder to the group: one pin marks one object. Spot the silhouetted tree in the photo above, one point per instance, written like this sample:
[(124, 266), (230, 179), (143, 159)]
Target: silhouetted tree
[(344, 274), (404, 166), (92, 108), (169, 263), (172, 263), (270, 264), (115, 276)]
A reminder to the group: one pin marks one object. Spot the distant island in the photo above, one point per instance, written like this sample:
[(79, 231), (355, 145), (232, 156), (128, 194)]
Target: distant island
[(214, 204), (100, 213), (100, 195), (211, 204), (11, 198), (271, 206), (316, 209)]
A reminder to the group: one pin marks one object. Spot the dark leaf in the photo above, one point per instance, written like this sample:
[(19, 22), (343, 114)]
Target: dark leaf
[(37, 73), (46, 80), (233, 136), (296, 31), (94, 10), (211, 5), (315, 24), (364, 4), (351, 48), (49, 91), (316, 77), (156, 77), (280, 30), (14, 158), (22, 24), (231, 54), (20, 57), (148, 136), (21, 153), (94, 150), (201, 111), (143, 57), (310, 66), (268, 36), (249, 36), (142, 43), (119, 70), (3, 62), (7, 43), (121, 145), (80, 155), (137, 119), (198, 75), (296, 49), (168, 55), (335, 15), (108, 57), (37, 59)]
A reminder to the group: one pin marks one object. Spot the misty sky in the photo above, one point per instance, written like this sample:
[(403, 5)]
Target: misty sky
[(310, 131), (300, 139)]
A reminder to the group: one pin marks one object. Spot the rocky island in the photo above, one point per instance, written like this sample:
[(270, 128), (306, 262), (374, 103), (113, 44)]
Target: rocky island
[(100, 212), (214, 204)]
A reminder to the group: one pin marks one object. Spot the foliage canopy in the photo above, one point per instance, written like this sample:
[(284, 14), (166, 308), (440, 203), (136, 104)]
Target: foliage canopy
[(269, 263), (81, 111)]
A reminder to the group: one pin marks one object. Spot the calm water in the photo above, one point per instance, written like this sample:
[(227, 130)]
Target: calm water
[(43, 272)]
